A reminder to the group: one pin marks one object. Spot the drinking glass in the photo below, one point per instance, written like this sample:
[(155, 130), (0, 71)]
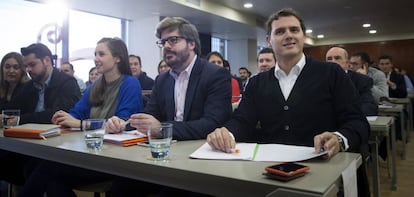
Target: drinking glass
[(159, 138), (10, 118), (94, 131)]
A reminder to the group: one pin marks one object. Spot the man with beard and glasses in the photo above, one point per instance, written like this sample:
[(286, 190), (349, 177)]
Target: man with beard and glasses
[(194, 95), (50, 89)]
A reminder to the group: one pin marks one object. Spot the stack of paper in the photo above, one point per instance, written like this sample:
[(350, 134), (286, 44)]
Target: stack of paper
[(127, 138), (259, 152)]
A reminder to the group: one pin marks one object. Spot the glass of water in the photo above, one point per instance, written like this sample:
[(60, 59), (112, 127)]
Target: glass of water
[(159, 138), (10, 118), (94, 131)]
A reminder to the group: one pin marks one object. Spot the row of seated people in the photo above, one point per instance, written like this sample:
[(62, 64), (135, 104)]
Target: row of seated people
[(195, 96)]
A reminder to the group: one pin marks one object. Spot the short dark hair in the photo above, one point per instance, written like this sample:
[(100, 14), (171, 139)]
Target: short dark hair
[(283, 13), (384, 57), (40, 50), (266, 50), (247, 70), (138, 57), (364, 57)]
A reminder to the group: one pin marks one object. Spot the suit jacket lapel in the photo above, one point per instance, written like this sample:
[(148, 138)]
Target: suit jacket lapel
[(192, 86)]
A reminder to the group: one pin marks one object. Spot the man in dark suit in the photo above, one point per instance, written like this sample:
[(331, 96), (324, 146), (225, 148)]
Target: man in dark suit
[(194, 95), (395, 81), (300, 101), (362, 83)]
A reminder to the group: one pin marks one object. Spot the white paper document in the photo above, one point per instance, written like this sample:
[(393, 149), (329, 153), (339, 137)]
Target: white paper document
[(245, 152), (126, 135), (259, 152), (285, 153)]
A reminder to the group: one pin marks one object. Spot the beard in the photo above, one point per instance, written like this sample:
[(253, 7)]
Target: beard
[(40, 76), (178, 59)]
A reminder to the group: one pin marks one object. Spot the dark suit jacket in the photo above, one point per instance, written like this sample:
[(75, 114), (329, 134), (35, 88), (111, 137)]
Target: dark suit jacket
[(146, 82), (401, 90), (61, 94), (322, 99), (207, 103), (363, 84)]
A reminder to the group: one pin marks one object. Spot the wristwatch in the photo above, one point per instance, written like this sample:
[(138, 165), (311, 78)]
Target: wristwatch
[(341, 143)]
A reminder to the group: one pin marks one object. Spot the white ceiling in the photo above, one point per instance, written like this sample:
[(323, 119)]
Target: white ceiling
[(339, 20)]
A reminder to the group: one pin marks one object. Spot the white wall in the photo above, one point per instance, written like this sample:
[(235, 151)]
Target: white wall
[(141, 41), (236, 54)]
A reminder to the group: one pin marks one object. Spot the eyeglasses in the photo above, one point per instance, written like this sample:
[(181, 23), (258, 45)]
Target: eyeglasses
[(171, 40)]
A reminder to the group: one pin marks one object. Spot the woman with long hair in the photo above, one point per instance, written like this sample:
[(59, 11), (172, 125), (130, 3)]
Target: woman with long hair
[(115, 93), (12, 76)]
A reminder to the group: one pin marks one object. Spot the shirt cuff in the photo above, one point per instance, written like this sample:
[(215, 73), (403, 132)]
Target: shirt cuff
[(232, 136), (344, 139)]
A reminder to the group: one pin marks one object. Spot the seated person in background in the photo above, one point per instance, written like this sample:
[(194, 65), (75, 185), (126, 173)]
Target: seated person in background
[(136, 68), (194, 96), (360, 62), (93, 76), (49, 90), (294, 102), (110, 95), (226, 65), (163, 67), (217, 59), (13, 76), (362, 83), (68, 69), (244, 75), (395, 81), (266, 60)]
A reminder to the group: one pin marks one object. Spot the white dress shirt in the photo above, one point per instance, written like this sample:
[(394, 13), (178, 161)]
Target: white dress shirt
[(286, 82), (180, 89)]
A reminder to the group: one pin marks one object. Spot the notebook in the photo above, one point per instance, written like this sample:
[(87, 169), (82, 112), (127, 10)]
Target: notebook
[(36, 131), (126, 138)]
